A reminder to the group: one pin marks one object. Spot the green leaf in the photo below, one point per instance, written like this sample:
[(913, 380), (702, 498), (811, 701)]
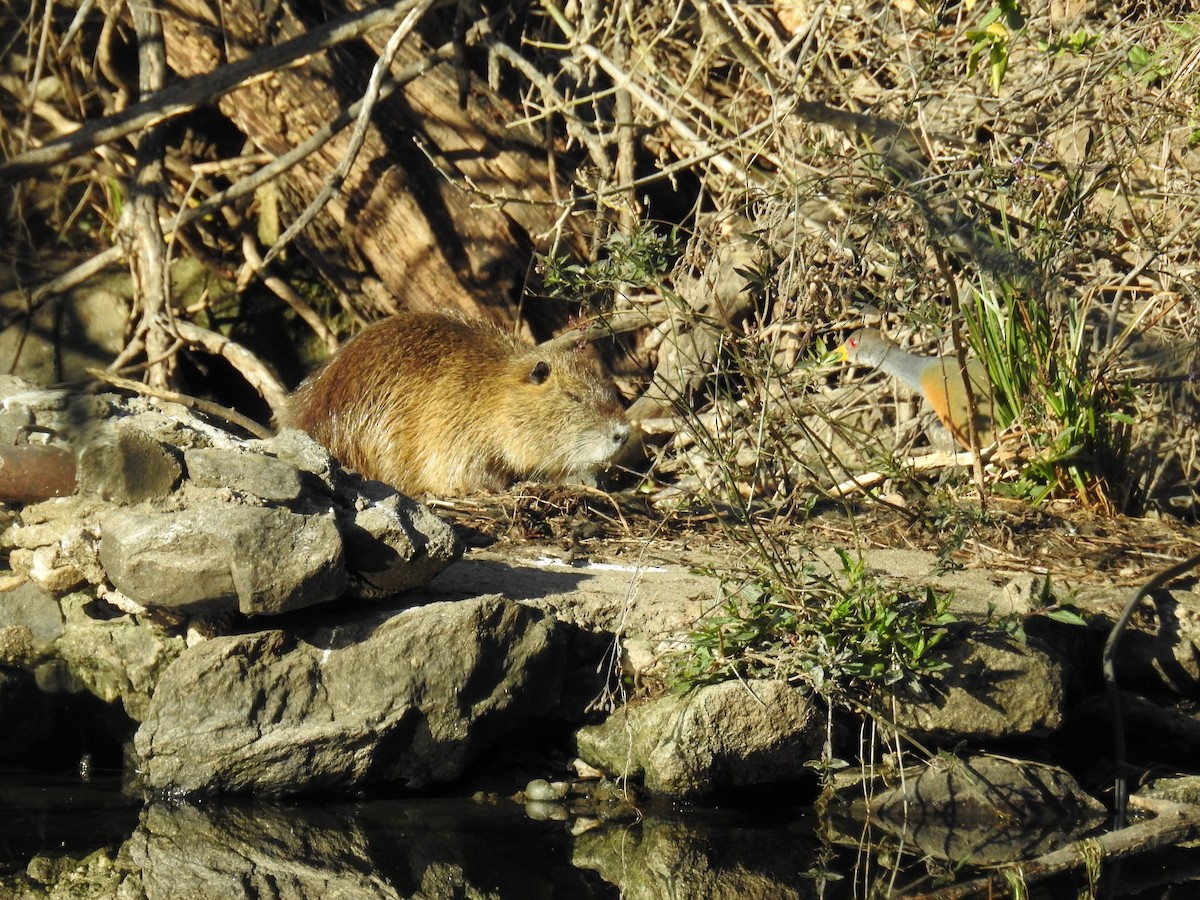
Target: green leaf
[(1065, 615)]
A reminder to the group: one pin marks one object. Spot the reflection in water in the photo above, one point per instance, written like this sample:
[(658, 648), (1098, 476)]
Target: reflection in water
[(377, 848), (47, 814), (90, 840)]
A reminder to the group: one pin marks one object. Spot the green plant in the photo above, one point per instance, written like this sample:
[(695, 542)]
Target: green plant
[(842, 632), (993, 38), (1148, 67), (638, 258), (1077, 43), (1045, 376)]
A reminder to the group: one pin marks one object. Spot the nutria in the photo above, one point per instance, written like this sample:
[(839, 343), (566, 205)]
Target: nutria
[(442, 403)]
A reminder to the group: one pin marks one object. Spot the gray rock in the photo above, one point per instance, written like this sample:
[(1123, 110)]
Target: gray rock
[(1173, 789), (994, 687), (715, 738), (253, 559), (1027, 593), (116, 659), (413, 696), (249, 473), (303, 452), (393, 543), (983, 810), (26, 605), (284, 561), (127, 467)]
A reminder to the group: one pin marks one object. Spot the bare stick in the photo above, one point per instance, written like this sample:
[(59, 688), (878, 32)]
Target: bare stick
[(140, 231), (247, 364), (184, 96), (925, 463), (204, 406), (287, 293), (334, 182)]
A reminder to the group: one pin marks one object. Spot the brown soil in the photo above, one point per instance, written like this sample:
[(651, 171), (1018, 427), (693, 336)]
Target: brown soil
[(1057, 539)]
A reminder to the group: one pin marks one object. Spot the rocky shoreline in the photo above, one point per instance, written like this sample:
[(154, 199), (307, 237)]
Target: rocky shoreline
[(242, 617)]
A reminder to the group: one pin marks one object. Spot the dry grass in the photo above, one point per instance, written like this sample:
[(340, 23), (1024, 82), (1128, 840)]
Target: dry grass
[(881, 179), (825, 164)]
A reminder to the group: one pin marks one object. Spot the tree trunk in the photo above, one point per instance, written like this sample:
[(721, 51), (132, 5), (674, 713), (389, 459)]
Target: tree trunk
[(415, 224)]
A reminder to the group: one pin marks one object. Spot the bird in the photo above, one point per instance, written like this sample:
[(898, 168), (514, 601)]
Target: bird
[(936, 378)]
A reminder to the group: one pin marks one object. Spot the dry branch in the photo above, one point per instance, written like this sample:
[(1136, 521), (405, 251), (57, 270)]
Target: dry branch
[(139, 229), (185, 96), (1174, 824)]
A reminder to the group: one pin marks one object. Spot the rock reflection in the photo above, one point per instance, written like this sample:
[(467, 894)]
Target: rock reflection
[(685, 858), (235, 851), (425, 848), (431, 849)]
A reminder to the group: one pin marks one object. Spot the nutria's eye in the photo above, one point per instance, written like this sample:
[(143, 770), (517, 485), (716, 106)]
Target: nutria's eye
[(540, 373)]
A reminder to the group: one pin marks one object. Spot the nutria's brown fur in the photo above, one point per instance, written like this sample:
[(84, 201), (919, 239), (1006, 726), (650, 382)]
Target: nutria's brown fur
[(441, 403)]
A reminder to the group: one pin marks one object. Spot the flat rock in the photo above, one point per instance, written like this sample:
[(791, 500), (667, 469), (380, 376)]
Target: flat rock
[(257, 560), (256, 474), (412, 697)]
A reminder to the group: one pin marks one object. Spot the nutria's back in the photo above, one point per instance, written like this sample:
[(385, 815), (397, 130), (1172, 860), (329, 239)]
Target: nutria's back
[(442, 403)]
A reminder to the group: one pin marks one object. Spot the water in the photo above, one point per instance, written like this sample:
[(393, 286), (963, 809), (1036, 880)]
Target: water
[(56, 828), (66, 836)]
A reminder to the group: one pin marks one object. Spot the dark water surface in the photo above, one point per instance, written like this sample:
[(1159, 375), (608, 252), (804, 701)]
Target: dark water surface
[(64, 836), (381, 847)]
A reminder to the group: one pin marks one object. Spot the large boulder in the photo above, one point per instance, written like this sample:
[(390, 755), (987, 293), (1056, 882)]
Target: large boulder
[(993, 687), (410, 697), (710, 740)]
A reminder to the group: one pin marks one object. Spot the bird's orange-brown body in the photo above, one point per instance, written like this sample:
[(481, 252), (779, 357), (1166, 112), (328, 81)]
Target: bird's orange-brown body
[(936, 378)]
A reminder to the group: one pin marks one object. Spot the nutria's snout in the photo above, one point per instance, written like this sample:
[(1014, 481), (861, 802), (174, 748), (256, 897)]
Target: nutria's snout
[(620, 434), (610, 441)]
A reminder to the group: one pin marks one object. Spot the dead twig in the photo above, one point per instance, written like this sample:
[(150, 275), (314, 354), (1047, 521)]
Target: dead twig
[(184, 96), (370, 97), (204, 406), (139, 230), (250, 367), (925, 463)]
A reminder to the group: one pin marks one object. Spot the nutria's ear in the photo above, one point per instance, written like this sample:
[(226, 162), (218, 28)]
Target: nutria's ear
[(540, 372)]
